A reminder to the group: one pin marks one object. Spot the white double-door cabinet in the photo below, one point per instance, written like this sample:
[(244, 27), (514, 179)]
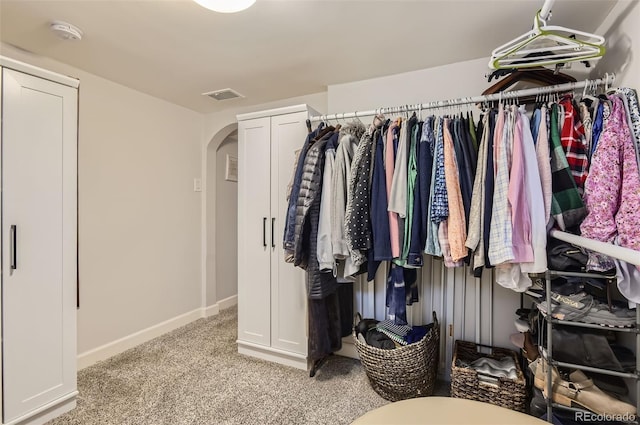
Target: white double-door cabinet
[(39, 244), (272, 312)]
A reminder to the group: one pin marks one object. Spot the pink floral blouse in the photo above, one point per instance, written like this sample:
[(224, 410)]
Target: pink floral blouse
[(612, 188)]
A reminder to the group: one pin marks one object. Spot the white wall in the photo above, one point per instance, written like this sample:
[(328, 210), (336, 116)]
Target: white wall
[(139, 219), (621, 29), (445, 82)]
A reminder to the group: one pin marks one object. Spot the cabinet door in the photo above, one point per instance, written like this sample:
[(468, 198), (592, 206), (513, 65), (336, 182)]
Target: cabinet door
[(288, 299), (39, 222), (254, 227)]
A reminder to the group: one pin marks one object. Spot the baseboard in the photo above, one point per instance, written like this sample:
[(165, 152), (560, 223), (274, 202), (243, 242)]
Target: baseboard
[(214, 309), (48, 412), (228, 302), (273, 355), (103, 352), (116, 347)]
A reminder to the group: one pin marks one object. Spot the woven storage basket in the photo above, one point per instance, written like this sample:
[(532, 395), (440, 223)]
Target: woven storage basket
[(406, 372), (508, 393)]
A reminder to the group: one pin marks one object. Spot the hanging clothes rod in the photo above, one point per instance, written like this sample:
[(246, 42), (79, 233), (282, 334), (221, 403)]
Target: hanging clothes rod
[(606, 81)]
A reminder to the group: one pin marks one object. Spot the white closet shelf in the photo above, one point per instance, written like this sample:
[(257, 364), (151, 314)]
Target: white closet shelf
[(621, 253)]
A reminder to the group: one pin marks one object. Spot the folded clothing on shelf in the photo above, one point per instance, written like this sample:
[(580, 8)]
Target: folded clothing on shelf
[(504, 368)]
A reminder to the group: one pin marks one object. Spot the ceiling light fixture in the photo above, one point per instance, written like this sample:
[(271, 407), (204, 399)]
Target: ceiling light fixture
[(226, 6)]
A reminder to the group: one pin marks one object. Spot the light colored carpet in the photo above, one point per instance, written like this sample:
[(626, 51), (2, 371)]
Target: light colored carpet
[(194, 375)]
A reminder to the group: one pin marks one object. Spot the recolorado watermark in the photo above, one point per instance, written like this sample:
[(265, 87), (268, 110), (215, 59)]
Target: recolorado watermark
[(600, 418)]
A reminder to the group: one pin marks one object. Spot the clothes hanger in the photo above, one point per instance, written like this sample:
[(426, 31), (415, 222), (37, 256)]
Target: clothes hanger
[(539, 76), (588, 94), (547, 45), (378, 121)]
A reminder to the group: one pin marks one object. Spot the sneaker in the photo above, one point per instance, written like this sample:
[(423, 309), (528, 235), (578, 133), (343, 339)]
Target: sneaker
[(582, 307)]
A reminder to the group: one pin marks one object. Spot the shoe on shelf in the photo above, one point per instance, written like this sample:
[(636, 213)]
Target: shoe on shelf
[(523, 313), (530, 349), (538, 404), (593, 398), (522, 325), (625, 356), (524, 341), (579, 391), (517, 339), (582, 307)]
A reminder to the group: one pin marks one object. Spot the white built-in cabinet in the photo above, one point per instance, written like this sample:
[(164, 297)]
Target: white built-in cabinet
[(272, 318), (39, 243)]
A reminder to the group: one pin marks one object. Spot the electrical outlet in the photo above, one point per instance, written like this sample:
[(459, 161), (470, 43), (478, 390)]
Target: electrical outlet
[(197, 185)]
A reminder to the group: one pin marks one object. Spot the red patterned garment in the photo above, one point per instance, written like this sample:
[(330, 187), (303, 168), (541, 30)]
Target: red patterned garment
[(574, 142)]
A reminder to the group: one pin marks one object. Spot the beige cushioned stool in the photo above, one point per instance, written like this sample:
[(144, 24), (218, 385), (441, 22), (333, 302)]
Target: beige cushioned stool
[(444, 411)]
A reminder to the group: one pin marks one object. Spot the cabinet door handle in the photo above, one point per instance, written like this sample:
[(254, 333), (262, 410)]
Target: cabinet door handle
[(273, 222), (264, 231), (13, 249)]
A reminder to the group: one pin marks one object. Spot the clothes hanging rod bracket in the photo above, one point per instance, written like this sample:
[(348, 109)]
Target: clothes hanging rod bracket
[(606, 81), (545, 12)]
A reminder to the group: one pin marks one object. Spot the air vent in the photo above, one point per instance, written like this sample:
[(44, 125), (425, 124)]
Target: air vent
[(223, 94)]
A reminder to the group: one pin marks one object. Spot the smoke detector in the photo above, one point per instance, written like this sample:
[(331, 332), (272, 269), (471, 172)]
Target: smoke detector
[(223, 94), (65, 30)]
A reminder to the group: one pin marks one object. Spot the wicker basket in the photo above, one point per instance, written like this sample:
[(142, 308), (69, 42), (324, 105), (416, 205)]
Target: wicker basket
[(405, 372), (508, 393)]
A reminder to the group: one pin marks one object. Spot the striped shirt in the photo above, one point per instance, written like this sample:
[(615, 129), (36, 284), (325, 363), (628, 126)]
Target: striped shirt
[(500, 249)]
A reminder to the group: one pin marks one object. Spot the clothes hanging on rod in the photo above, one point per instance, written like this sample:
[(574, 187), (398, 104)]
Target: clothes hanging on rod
[(606, 81), (412, 186)]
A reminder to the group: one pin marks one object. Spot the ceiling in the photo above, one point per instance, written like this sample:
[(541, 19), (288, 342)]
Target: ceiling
[(176, 50)]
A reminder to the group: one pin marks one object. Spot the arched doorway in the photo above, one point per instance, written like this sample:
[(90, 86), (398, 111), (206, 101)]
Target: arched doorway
[(221, 221)]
